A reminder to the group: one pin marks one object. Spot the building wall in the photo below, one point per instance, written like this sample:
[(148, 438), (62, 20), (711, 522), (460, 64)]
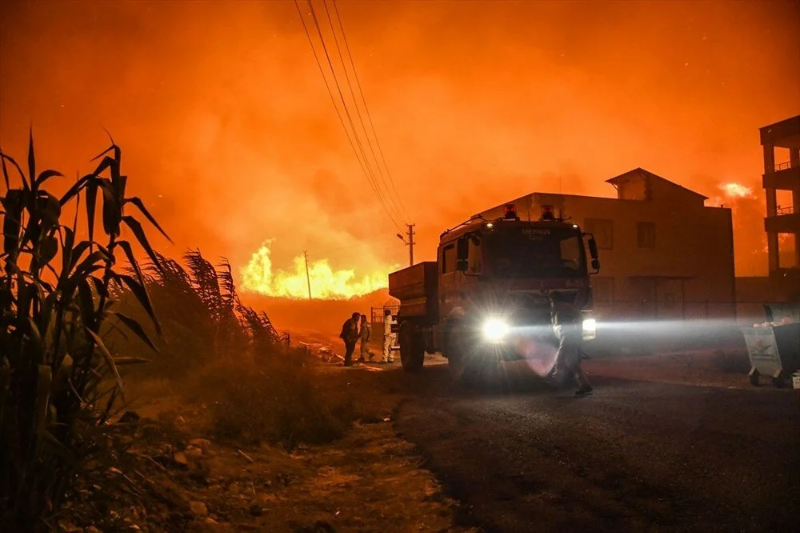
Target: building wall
[(677, 264)]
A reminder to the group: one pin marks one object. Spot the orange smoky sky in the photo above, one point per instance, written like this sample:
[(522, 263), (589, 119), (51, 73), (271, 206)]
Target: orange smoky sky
[(229, 135)]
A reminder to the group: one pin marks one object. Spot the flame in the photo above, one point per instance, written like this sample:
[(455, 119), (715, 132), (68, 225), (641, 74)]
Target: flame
[(735, 190), (326, 283)]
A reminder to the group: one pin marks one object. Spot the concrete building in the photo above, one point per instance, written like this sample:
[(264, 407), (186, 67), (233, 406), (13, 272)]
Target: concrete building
[(782, 178), (663, 253), (781, 181)]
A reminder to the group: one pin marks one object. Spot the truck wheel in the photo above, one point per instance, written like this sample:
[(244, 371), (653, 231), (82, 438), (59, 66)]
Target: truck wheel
[(412, 351)]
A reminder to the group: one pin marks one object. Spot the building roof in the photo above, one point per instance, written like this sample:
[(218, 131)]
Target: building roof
[(638, 171), (785, 133)]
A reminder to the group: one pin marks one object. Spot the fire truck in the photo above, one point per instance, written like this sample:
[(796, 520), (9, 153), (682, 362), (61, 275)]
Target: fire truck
[(486, 298)]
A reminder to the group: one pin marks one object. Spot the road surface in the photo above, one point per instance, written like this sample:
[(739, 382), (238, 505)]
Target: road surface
[(635, 456)]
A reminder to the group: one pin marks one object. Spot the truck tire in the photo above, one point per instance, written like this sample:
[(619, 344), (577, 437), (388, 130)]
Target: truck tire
[(412, 350)]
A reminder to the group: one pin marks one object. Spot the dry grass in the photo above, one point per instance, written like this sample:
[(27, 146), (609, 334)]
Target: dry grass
[(275, 399)]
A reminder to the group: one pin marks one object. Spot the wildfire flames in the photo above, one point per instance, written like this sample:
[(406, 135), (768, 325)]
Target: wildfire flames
[(326, 283), (734, 190)]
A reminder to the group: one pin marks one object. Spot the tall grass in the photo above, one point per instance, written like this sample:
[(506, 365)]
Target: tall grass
[(56, 303), (201, 316)]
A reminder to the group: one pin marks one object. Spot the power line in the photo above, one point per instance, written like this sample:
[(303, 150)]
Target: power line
[(327, 86), (399, 212), (366, 109), (370, 176)]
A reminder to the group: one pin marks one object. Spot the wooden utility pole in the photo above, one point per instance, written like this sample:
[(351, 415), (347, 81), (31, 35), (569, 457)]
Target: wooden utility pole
[(411, 245), (308, 277), (409, 242)]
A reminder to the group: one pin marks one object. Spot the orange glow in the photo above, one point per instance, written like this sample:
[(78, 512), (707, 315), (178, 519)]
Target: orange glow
[(326, 283), (736, 190), (229, 135)]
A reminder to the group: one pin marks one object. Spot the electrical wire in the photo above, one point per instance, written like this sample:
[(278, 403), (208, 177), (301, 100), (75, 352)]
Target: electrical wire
[(368, 173), (366, 109), (327, 86), (388, 193)]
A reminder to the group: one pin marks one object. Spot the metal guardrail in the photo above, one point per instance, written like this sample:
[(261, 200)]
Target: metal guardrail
[(788, 210), (782, 166)]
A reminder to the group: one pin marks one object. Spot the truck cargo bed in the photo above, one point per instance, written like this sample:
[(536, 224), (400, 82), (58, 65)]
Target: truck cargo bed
[(416, 287)]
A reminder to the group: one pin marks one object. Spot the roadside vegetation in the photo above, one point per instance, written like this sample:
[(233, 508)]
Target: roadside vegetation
[(81, 311)]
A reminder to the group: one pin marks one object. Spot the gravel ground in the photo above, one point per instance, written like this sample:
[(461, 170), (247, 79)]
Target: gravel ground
[(635, 456)]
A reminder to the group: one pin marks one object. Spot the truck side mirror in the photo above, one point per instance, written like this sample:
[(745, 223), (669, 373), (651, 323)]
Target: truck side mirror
[(596, 265), (593, 249)]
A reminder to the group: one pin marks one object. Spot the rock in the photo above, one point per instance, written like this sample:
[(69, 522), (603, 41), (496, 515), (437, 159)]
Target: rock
[(211, 521), (203, 444), (215, 487), (198, 509), (193, 451), (180, 458), (92, 529)]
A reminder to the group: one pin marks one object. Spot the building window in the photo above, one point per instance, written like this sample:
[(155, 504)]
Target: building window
[(448, 259), (603, 290), (646, 234), (603, 231)]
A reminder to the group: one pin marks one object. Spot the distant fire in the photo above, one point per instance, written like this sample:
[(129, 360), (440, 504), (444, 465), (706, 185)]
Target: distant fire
[(730, 193), (326, 283), (735, 190)]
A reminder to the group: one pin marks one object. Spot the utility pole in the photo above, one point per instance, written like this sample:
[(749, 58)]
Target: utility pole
[(409, 243), (308, 278)]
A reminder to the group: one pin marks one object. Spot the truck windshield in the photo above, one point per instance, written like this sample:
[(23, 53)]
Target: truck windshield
[(535, 252)]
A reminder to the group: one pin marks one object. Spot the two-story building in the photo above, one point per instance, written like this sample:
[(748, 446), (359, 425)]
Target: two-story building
[(663, 253)]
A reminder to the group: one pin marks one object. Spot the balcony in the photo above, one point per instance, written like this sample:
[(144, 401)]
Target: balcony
[(783, 223), (785, 178)]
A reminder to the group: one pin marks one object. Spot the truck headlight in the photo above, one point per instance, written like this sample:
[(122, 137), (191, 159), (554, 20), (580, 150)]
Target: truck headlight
[(495, 329), (589, 328)]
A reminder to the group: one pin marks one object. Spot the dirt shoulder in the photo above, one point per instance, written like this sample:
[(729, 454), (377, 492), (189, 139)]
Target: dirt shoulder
[(176, 476)]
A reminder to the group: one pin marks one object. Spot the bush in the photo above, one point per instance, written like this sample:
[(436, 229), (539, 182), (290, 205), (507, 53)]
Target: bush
[(273, 399)]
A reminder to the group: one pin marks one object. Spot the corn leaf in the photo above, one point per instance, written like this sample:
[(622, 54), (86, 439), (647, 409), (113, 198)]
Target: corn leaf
[(139, 204), (46, 175), (136, 328), (140, 292), (140, 235), (11, 160), (107, 356)]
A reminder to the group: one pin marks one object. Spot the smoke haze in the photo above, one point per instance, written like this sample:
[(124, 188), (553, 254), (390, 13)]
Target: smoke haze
[(230, 137)]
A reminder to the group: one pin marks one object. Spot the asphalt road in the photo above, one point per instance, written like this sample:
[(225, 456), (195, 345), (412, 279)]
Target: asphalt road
[(634, 456)]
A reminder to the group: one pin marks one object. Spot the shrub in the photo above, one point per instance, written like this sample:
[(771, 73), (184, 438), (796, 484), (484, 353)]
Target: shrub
[(272, 399)]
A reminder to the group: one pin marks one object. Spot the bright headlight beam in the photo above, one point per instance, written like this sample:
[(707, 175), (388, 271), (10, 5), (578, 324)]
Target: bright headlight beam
[(589, 329), (495, 329)]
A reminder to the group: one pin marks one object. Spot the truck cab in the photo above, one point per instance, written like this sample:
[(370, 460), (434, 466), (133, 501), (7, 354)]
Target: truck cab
[(487, 296)]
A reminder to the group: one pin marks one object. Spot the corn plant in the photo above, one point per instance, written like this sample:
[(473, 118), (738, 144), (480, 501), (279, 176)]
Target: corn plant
[(58, 381)]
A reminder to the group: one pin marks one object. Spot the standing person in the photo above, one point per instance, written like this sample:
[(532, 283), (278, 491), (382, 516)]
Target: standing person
[(366, 333), (349, 335), (566, 323), (388, 356)]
